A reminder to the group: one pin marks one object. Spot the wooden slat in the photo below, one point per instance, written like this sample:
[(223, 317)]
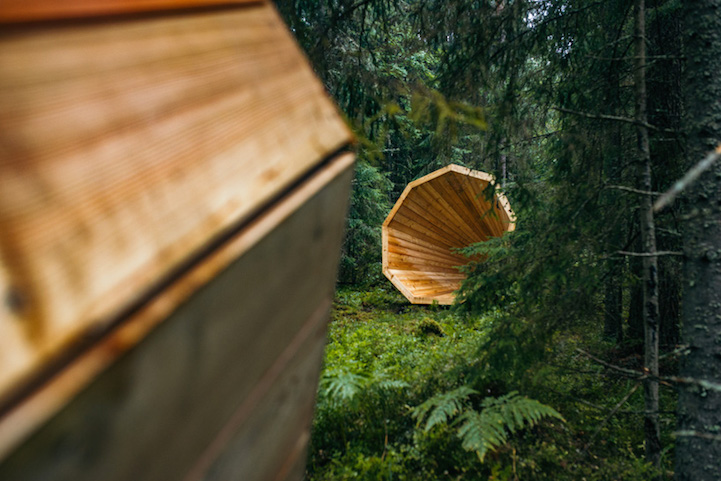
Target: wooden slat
[(488, 212), (400, 248), (453, 217), (464, 205), (433, 220), (403, 224), (409, 239), (128, 146), (470, 209), (33, 10), (224, 387)]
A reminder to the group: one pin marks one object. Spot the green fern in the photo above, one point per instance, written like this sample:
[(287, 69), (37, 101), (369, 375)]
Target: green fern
[(442, 407), (487, 430), (342, 386)]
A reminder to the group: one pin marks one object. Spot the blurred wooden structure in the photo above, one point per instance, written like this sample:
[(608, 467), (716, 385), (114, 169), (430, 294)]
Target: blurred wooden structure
[(445, 210), (173, 185)]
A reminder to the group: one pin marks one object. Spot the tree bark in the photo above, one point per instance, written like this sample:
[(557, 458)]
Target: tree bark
[(648, 240), (698, 448), (612, 167)]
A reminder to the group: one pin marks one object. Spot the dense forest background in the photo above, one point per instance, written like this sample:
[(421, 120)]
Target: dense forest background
[(564, 356)]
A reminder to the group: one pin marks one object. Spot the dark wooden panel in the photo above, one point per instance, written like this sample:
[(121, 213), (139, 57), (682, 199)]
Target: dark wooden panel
[(223, 389)]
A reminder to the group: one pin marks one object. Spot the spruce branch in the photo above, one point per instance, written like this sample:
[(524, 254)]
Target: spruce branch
[(689, 178)]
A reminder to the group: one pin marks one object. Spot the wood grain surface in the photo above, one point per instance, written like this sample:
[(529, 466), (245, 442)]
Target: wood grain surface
[(126, 147), (436, 214)]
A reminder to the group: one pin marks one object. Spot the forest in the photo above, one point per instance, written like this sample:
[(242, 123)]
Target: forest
[(586, 345)]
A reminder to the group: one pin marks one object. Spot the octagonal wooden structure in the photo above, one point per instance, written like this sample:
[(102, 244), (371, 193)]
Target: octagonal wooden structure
[(436, 214), (169, 169)]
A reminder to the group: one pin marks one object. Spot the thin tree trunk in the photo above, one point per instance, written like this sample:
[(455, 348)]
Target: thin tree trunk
[(648, 240), (612, 159), (698, 447)]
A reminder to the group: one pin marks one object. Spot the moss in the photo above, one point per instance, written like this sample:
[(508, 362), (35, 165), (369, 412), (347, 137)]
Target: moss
[(429, 327)]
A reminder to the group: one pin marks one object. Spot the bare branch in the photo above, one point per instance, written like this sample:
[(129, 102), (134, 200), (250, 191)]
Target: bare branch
[(650, 254), (614, 118), (631, 189), (628, 372), (703, 383), (697, 434), (694, 173), (611, 414)]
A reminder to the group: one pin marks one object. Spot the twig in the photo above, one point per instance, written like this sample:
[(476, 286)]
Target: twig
[(631, 189), (648, 57), (696, 434), (612, 413), (604, 408), (650, 254), (615, 118), (680, 185), (708, 385), (629, 372)]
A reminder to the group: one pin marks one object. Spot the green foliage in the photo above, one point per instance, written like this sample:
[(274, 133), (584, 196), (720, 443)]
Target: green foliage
[(442, 407), (487, 430), (518, 89), (361, 255)]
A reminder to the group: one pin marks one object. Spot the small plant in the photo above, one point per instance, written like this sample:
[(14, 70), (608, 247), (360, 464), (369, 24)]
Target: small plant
[(484, 431)]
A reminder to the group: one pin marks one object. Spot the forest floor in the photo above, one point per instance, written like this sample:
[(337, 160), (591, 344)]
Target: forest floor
[(385, 358)]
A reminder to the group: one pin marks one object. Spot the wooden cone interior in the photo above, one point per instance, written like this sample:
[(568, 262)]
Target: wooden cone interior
[(436, 214)]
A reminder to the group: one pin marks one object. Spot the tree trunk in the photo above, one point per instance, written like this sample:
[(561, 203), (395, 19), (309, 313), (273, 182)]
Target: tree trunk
[(698, 447), (648, 241), (612, 160)]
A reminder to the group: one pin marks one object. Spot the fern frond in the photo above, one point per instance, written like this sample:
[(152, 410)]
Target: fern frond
[(342, 385), (488, 430), (478, 433), (442, 407), (389, 384)]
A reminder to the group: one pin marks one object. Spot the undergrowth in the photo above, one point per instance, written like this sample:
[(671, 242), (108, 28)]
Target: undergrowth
[(404, 396)]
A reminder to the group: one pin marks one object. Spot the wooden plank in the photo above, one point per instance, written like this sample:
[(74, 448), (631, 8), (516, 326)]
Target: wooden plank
[(488, 212), (399, 247), (127, 147), (432, 219), (434, 197), (403, 223), (413, 278), (464, 207), (400, 264), (470, 210), (33, 10), (410, 240), (187, 402)]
